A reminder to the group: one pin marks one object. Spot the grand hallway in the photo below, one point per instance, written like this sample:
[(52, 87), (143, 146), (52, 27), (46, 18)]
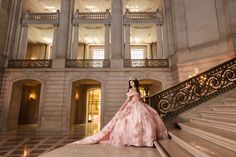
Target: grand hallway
[(65, 69)]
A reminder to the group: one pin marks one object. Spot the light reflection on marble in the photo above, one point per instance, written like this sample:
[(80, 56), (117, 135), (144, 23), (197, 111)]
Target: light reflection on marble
[(88, 129), (26, 141), (202, 149)]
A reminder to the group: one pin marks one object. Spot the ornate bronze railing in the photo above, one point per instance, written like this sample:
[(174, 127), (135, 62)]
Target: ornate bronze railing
[(196, 90), (146, 63), (87, 63), (39, 63)]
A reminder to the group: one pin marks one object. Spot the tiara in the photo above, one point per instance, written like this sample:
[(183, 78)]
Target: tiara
[(132, 78)]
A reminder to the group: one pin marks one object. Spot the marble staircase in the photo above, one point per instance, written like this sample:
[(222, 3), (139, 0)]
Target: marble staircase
[(208, 130)]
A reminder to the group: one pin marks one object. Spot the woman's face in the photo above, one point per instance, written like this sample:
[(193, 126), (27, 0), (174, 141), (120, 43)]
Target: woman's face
[(132, 83)]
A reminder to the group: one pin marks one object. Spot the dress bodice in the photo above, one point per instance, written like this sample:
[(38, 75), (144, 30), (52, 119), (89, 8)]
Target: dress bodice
[(133, 95)]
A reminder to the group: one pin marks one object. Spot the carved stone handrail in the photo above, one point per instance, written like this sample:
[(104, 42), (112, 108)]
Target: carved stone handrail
[(146, 63), (41, 18), (39, 63), (91, 18), (87, 63), (196, 90), (143, 17)]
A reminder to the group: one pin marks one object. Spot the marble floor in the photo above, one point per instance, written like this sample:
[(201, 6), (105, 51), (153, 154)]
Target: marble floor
[(26, 142)]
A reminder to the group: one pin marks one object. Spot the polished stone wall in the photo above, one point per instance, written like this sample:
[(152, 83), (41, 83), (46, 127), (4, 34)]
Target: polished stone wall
[(202, 36), (56, 93)]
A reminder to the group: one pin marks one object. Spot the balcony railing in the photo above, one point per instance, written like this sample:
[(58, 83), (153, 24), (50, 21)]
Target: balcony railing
[(41, 18), (146, 63), (94, 17), (142, 17), (39, 63), (87, 63), (99, 15), (196, 90)]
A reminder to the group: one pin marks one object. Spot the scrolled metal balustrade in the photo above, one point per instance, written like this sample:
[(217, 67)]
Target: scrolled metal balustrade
[(196, 90), (87, 63), (39, 63), (146, 63)]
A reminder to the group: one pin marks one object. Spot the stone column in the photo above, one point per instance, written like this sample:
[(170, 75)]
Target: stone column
[(159, 43), (63, 29), (13, 29), (117, 34), (167, 30), (107, 40), (23, 42), (75, 42), (54, 42), (127, 42)]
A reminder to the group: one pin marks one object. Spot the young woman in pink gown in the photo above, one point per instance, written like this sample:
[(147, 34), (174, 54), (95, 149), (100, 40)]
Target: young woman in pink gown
[(135, 123)]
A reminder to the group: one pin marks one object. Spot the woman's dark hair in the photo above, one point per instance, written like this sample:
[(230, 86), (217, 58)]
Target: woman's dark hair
[(136, 84)]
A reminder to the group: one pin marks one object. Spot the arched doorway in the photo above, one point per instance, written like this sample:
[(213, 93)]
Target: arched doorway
[(149, 87), (86, 106), (24, 104)]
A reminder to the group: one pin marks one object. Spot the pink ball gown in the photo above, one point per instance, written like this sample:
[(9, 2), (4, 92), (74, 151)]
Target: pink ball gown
[(135, 124)]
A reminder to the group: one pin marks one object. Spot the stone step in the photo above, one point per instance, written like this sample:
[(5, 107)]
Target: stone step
[(173, 149), (217, 136), (224, 108), (230, 98), (227, 126), (225, 104), (219, 113), (233, 102), (198, 146), (225, 118)]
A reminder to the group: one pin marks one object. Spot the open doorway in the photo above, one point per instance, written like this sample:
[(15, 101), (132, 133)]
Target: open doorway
[(24, 105), (86, 106)]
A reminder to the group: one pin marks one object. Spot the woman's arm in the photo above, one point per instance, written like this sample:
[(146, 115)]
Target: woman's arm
[(126, 101)]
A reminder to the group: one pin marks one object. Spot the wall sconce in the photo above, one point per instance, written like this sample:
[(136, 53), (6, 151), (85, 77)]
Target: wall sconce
[(146, 90), (77, 96), (32, 96)]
